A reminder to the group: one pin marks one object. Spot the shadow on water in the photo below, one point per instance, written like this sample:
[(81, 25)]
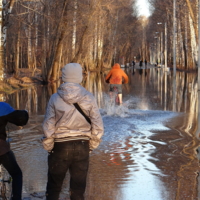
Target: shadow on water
[(149, 147)]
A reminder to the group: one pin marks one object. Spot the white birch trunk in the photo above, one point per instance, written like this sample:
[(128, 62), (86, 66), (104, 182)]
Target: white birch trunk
[(180, 53), (1, 43), (186, 38), (4, 14), (95, 40), (161, 51), (74, 30), (100, 39), (178, 41), (193, 41), (29, 42)]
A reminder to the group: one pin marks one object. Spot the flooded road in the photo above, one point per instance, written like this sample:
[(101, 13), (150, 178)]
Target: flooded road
[(150, 147)]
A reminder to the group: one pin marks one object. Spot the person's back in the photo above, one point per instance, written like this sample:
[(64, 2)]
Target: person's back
[(116, 77), (7, 158), (74, 127)]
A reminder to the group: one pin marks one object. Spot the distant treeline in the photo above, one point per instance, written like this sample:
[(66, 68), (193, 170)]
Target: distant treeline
[(186, 32)]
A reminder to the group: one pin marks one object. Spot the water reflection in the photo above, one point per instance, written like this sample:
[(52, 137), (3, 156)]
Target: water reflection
[(148, 150)]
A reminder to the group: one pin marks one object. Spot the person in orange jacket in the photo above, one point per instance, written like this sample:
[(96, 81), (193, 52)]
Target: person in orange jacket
[(116, 77)]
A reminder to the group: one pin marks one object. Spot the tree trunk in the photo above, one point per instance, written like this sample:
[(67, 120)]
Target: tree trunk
[(57, 59), (193, 19), (60, 62), (74, 30), (61, 31), (77, 58), (1, 44), (17, 53), (193, 42), (29, 49)]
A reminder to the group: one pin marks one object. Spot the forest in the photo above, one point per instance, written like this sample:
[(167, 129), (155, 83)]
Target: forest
[(160, 31), (44, 35)]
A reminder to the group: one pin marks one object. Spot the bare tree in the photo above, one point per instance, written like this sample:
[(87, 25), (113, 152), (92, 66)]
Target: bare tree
[(51, 33)]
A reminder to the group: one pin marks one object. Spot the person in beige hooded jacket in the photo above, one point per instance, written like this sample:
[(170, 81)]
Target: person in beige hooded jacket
[(70, 135)]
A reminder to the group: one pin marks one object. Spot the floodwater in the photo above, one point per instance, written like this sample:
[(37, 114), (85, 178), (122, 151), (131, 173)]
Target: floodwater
[(150, 147)]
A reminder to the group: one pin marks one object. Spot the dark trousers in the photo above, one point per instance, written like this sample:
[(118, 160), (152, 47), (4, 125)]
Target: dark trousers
[(72, 155), (10, 164)]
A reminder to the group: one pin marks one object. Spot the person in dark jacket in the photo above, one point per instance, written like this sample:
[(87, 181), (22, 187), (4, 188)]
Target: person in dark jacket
[(7, 158), (145, 63), (141, 63), (133, 62)]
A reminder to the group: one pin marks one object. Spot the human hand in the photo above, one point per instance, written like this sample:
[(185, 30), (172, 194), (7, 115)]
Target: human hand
[(42, 138)]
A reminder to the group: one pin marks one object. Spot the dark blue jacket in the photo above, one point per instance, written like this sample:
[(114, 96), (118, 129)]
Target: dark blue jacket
[(8, 114)]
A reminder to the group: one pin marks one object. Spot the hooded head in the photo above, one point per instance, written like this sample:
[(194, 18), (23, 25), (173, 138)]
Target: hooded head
[(72, 73), (116, 66)]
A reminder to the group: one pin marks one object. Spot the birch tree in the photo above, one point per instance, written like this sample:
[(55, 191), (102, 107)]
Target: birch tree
[(187, 30), (5, 10)]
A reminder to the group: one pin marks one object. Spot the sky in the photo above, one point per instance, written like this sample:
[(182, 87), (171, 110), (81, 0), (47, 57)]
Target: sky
[(143, 7)]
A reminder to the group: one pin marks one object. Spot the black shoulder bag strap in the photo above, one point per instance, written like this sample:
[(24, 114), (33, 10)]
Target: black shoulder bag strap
[(80, 110)]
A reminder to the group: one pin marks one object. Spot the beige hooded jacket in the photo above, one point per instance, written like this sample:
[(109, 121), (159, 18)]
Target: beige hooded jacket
[(62, 119)]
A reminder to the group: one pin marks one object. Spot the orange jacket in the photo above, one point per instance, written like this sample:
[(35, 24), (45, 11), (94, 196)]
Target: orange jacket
[(115, 75)]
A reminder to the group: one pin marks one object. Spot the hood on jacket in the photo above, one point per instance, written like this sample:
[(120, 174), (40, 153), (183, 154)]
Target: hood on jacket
[(72, 73), (71, 92), (116, 66)]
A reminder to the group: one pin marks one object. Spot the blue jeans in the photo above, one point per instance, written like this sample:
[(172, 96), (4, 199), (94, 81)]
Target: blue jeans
[(72, 155), (10, 164)]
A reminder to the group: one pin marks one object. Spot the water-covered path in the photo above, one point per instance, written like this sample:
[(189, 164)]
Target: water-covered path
[(148, 151)]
